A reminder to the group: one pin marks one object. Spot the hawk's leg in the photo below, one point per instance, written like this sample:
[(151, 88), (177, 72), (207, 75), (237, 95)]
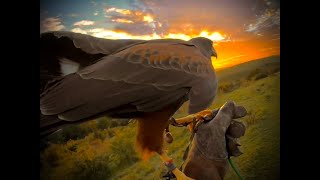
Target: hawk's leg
[(200, 116), (169, 163), (151, 128)]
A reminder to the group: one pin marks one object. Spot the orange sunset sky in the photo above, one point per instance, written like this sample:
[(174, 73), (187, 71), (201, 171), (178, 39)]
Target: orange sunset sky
[(241, 30)]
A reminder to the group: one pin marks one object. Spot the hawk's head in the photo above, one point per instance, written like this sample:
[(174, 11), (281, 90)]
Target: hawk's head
[(205, 46)]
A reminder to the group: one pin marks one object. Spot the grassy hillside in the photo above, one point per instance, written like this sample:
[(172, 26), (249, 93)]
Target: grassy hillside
[(104, 151), (268, 65)]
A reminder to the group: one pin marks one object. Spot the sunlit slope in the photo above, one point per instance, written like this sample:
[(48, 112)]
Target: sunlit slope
[(241, 71)]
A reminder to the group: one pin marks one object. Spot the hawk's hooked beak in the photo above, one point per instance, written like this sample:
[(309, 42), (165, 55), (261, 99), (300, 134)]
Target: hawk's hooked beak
[(214, 53)]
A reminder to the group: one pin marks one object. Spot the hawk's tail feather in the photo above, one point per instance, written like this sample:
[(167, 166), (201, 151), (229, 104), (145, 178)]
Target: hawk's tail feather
[(50, 124)]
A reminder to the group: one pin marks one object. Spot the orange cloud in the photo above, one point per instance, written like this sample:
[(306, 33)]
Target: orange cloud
[(111, 34), (129, 16), (121, 20), (121, 11), (148, 18), (116, 34)]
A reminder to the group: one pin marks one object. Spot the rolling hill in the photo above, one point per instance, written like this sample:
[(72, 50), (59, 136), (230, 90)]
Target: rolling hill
[(241, 71)]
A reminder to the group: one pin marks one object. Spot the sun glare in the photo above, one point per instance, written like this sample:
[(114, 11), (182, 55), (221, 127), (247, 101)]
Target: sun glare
[(110, 34)]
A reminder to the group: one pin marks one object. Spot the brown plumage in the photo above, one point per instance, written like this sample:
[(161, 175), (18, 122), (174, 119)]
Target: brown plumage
[(150, 131), (146, 80)]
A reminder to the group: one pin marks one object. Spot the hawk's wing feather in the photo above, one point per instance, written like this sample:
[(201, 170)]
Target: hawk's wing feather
[(167, 66), (162, 64), (94, 45), (62, 53), (148, 76)]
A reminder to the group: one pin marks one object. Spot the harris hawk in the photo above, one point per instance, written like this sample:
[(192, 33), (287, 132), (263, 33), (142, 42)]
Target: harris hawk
[(84, 77)]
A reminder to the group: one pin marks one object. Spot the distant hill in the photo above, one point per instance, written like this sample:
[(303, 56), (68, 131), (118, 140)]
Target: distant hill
[(242, 71)]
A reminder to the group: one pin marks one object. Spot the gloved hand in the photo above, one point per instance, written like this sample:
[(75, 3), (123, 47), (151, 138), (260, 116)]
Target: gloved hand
[(220, 132), (234, 132), (215, 139)]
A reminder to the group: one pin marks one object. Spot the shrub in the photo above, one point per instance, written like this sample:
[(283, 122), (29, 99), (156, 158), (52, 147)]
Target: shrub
[(92, 169), (260, 76), (110, 133), (254, 73), (73, 132), (89, 126), (53, 154), (275, 70), (123, 152), (229, 86), (103, 123), (252, 117), (98, 134), (114, 123), (73, 147)]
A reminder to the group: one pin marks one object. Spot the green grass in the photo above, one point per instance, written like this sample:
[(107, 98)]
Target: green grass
[(113, 157), (260, 145), (241, 71)]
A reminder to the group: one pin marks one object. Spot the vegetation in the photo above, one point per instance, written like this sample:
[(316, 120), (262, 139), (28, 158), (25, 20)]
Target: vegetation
[(105, 149)]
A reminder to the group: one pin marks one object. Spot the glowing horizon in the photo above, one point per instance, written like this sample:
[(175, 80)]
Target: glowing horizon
[(230, 53)]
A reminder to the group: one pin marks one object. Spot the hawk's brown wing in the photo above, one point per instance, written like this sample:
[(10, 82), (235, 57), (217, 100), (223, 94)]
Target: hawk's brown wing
[(94, 45), (148, 76)]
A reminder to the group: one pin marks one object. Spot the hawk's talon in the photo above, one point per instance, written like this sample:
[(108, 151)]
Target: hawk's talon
[(179, 175)]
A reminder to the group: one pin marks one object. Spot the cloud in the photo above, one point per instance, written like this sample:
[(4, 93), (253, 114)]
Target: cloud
[(132, 15), (138, 22), (79, 30), (232, 17), (192, 17), (270, 19), (113, 34), (148, 18), (121, 11), (73, 15), (267, 18), (116, 34), (84, 23), (94, 3), (51, 24), (121, 20)]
